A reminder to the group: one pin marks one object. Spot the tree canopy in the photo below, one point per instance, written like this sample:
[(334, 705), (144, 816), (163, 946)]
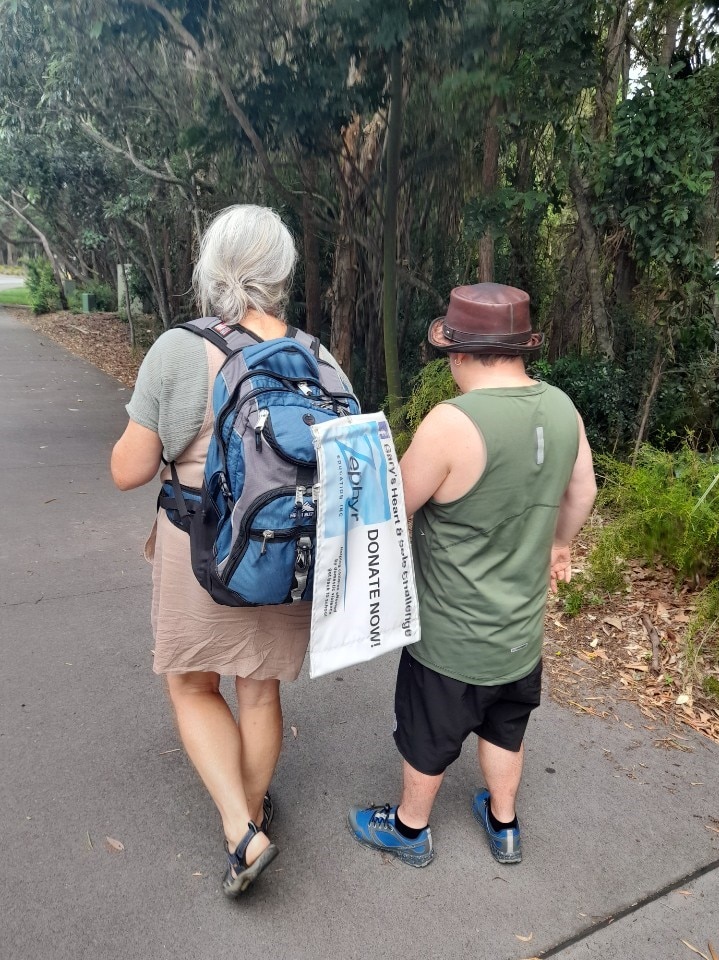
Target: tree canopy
[(411, 146)]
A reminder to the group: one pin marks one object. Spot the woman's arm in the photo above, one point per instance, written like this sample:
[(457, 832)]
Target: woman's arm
[(136, 457)]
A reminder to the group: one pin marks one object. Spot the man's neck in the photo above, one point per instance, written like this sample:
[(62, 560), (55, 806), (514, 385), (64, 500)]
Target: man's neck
[(503, 374)]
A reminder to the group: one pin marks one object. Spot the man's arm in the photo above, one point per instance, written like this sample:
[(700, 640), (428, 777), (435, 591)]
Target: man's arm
[(574, 509), (426, 464), (135, 457)]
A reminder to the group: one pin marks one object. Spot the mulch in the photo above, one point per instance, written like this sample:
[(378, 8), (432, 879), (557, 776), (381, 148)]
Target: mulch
[(626, 650)]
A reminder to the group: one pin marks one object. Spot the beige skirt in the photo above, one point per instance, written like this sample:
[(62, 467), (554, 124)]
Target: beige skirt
[(192, 632)]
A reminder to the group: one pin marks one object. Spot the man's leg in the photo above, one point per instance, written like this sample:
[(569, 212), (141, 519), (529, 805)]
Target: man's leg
[(502, 772), (418, 794)]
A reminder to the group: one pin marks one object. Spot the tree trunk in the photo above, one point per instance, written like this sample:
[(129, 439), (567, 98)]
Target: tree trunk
[(670, 39), (311, 247), (612, 70), (490, 172), (389, 245), (46, 247), (590, 247), (656, 377), (357, 165), (159, 286)]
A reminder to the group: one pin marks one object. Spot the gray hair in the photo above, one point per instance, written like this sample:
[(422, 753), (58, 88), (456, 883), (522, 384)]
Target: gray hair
[(246, 260)]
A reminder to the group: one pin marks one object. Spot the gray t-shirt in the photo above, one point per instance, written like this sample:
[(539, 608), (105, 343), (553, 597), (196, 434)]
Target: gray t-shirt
[(170, 394)]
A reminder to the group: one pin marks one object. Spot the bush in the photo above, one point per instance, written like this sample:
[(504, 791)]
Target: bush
[(432, 384), (105, 297), (603, 392), (42, 289), (666, 509)]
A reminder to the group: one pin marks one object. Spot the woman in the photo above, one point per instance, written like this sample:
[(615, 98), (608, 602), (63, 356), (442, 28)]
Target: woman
[(243, 275)]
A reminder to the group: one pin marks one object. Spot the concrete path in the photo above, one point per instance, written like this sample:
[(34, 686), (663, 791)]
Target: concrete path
[(8, 281), (614, 826)]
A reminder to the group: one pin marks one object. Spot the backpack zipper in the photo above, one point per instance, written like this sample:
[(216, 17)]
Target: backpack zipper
[(240, 545)]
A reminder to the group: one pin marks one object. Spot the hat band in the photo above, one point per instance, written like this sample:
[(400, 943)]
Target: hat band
[(461, 336)]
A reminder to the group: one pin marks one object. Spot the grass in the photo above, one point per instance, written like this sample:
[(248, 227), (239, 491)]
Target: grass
[(15, 296)]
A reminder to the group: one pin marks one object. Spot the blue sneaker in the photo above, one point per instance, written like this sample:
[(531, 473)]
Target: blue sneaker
[(375, 827), (506, 845)]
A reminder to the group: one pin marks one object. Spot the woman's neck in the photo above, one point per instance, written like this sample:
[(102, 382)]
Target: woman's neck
[(264, 325)]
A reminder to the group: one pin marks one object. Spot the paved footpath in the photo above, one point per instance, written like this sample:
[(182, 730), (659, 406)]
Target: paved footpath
[(614, 827)]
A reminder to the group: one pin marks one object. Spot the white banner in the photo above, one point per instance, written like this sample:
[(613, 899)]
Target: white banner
[(364, 600)]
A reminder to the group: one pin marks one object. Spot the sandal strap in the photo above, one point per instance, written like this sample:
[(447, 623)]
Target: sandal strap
[(237, 859)]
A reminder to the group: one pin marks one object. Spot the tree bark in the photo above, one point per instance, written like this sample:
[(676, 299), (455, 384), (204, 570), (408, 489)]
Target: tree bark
[(656, 377), (389, 245), (612, 70), (490, 172), (357, 165), (590, 248), (311, 247), (46, 247), (670, 39)]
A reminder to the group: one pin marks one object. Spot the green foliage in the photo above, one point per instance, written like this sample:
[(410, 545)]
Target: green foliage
[(659, 171), (605, 394), (665, 509), (431, 386), (578, 594), (42, 289), (105, 297)]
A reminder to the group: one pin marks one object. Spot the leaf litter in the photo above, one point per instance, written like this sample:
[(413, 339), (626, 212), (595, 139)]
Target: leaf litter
[(629, 650)]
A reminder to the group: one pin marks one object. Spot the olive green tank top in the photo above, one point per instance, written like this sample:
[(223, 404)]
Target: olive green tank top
[(482, 561)]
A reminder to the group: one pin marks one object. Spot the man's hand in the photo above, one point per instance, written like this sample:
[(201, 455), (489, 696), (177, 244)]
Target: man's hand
[(560, 567)]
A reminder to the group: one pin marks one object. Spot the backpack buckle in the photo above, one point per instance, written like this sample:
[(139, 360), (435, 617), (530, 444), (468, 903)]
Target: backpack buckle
[(302, 567)]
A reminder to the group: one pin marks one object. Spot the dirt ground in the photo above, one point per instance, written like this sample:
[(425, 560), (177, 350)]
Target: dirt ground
[(627, 649)]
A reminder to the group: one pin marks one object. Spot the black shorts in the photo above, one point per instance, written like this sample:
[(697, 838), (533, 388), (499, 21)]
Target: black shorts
[(435, 714)]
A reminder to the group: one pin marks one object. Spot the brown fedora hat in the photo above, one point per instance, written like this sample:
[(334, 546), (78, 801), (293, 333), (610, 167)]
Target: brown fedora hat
[(486, 318)]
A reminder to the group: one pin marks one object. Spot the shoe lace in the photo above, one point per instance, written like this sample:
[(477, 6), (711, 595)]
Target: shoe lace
[(380, 816)]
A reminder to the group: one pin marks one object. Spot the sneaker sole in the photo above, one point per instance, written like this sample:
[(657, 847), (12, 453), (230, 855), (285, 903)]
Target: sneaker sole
[(391, 853), (236, 885), (507, 858)]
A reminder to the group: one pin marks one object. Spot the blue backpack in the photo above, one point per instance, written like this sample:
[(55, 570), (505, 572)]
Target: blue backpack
[(252, 525)]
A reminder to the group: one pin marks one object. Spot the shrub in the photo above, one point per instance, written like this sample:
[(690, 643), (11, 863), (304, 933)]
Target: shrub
[(105, 297), (42, 289), (432, 384), (666, 509), (603, 392)]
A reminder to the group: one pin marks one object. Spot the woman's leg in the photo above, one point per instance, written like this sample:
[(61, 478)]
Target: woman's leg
[(213, 744), (259, 721)]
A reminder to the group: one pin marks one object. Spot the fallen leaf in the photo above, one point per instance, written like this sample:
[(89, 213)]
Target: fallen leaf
[(614, 622), (695, 950), (712, 951), (524, 939), (294, 732), (115, 844)]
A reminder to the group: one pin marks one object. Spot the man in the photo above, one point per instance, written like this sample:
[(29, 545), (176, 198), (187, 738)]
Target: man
[(499, 480)]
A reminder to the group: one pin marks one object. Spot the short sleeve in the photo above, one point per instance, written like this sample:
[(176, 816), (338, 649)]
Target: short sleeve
[(170, 395)]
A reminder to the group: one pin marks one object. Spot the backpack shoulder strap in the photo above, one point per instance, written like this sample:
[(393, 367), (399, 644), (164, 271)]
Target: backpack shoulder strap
[(222, 335), (312, 343)]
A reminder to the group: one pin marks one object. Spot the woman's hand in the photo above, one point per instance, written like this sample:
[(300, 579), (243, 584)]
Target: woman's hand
[(136, 457)]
